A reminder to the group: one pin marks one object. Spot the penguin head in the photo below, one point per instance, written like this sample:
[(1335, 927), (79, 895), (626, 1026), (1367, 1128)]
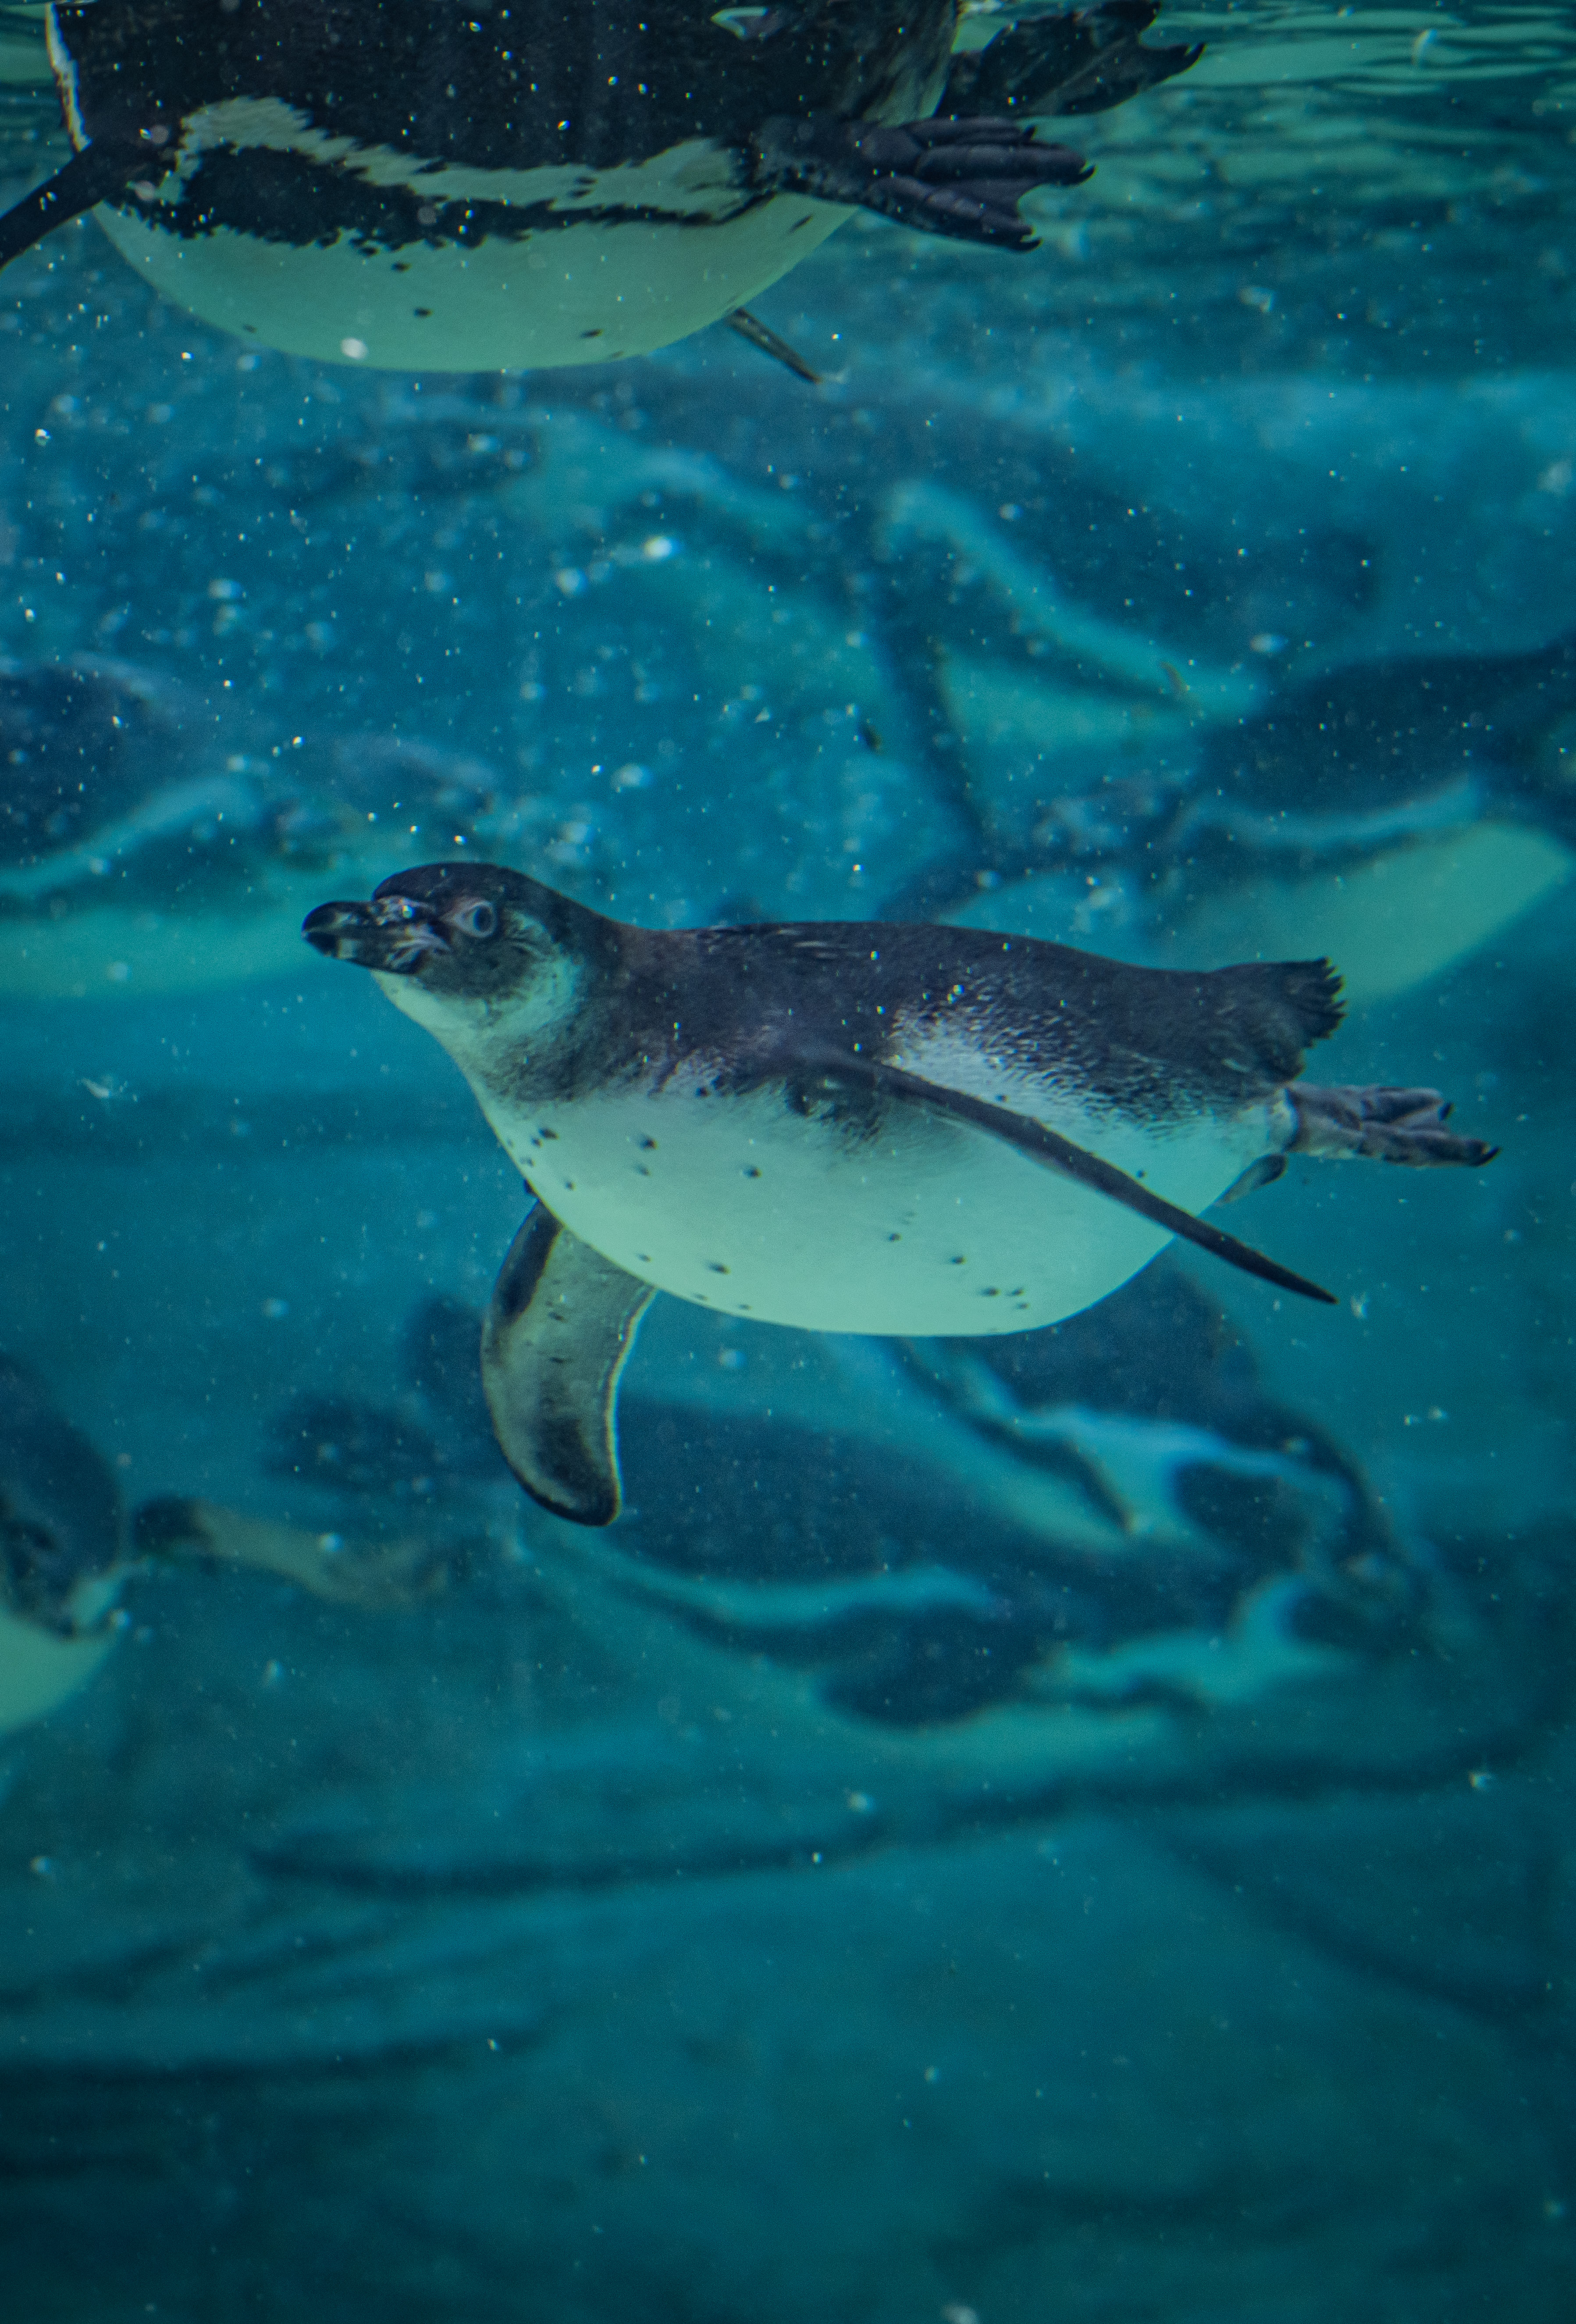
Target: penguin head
[(467, 941)]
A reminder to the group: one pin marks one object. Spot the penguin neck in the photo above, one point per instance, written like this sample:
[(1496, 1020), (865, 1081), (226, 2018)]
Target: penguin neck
[(506, 1044)]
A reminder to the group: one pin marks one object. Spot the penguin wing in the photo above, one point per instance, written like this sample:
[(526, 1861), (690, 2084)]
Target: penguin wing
[(1058, 1153), (558, 1333), (98, 173)]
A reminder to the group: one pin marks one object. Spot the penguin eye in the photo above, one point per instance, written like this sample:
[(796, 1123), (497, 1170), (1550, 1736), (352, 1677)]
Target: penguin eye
[(477, 920)]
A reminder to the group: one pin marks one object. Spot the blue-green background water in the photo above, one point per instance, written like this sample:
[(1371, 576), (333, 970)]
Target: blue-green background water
[(1083, 1835)]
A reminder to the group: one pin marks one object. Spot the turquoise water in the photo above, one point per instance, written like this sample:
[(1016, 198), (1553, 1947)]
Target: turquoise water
[(1068, 1826)]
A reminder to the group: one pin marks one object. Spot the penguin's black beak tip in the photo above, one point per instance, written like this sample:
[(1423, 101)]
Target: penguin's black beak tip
[(392, 933), (331, 927)]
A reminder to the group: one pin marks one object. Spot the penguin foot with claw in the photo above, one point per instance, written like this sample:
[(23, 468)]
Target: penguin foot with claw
[(1381, 1125), (963, 179)]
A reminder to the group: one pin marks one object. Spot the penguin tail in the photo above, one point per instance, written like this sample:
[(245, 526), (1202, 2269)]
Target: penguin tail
[(1310, 990), (1259, 1016)]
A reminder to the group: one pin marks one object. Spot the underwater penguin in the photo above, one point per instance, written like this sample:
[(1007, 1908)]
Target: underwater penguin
[(1369, 737), (62, 1526), (431, 186), (78, 747), (858, 1127), (63, 1544)]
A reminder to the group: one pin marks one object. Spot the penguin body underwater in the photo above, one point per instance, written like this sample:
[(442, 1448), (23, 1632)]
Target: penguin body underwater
[(1367, 738), (68, 1548), (862, 1127), (427, 185), (62, 1547)]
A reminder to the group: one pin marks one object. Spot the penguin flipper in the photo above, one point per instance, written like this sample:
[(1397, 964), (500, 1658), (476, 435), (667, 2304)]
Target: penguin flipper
[(1058, 1153), (95, 175), (557, 1335), (961, 179), (1082, 62)]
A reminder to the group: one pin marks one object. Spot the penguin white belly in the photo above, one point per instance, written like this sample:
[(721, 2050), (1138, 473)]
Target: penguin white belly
[(562, 294), (926, 1227), (38, 1672)]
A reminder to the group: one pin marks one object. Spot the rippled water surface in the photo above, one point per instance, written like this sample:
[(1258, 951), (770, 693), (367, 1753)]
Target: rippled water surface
[(1066, 1825)]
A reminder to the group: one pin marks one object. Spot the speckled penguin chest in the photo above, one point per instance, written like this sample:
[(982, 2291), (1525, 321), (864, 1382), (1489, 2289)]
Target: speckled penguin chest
[(418, 182), (781, 1196)]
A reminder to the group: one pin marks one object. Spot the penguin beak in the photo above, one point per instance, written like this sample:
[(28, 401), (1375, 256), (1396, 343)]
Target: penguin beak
[(392, 933)]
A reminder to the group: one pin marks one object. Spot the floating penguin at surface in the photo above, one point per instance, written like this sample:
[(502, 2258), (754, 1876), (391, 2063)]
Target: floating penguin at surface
[(428, 185), (847, 1127)]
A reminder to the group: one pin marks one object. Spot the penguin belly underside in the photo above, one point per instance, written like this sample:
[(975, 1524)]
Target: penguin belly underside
[(897, 1222), (756, 1207), (563, 294)]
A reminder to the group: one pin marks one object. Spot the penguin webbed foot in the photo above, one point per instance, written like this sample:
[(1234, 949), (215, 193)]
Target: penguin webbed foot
[(961, 179), (1380, 1124), (1262, 1173), (1085, 61)]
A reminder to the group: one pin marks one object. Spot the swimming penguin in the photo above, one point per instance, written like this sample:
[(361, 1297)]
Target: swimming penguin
[(431, 186), (858, 1127), (68, 1549), (62, 1528), (1365, 739), (63, 1543), (79, 747)]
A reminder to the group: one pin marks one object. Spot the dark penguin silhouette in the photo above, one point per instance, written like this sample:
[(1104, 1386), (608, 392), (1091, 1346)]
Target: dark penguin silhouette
[(851, 1127), (425, 184), (61, 1524), (1370, 737), (77, 747)]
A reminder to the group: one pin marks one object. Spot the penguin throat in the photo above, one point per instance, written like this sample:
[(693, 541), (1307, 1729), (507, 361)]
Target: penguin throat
[(490, 1037)]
